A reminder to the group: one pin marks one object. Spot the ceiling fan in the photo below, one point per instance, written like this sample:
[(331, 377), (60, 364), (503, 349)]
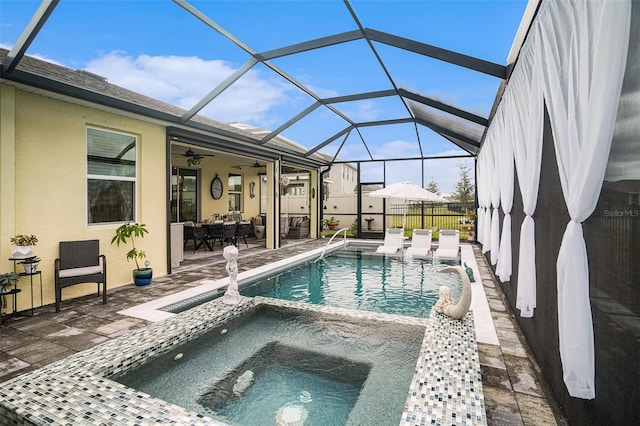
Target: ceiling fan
[(193, 158), (255, 165)]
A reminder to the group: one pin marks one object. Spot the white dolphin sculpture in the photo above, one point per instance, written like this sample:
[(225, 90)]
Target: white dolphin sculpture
[(460, 309)]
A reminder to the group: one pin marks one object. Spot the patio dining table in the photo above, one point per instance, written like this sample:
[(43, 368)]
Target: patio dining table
[(221, 231)]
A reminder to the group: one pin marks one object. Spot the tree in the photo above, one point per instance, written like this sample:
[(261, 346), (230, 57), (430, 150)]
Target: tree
[(464, 191), (433, 187)]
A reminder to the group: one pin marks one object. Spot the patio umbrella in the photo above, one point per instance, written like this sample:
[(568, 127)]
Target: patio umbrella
[(407, 191)]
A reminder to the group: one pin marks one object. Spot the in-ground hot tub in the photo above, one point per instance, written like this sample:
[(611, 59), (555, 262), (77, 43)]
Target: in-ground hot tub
[(328, 369)]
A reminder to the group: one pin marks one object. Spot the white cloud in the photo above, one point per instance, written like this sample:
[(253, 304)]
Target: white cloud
[(184, 81), (34, 55), (365, 110), (321, 92), (397, 149)]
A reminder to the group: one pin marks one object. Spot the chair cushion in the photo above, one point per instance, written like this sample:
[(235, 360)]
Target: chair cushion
[(76, 272)]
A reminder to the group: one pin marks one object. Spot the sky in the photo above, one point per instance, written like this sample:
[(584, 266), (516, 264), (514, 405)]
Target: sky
[(156, 48)]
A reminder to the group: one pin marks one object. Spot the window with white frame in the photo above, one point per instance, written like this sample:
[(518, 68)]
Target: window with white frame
[(111, 176), (296, 188), (235, 192)]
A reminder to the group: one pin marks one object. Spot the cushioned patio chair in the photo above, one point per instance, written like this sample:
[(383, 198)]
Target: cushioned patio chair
[(420, 244), (299, 227), (80, 262), (448, 245), (393, 241)]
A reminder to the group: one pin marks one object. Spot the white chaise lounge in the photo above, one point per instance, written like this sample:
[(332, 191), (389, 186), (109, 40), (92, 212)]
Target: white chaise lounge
[(393, 241), (420, 244), (448, 245)]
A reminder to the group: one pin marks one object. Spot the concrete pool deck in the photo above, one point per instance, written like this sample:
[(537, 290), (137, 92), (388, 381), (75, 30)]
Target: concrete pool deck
[(512, 389)]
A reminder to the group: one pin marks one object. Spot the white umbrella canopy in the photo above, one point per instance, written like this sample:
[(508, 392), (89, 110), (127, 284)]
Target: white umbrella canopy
[(407, 191)]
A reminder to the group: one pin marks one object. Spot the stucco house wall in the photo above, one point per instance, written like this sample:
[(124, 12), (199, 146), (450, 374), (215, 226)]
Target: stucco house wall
[(44, 186)]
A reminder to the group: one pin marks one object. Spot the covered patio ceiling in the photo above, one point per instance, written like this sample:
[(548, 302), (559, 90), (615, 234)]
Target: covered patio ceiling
[(350, 80)]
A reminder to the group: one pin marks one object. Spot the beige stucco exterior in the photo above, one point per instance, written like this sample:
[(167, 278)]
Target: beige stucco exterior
[(44, 186), (43, 165)]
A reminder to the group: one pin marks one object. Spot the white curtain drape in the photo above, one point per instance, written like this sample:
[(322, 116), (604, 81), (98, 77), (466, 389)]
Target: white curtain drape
[(494, 239), (488, 177), (504, 153), (483, 189), (525, 97), (584, 51)]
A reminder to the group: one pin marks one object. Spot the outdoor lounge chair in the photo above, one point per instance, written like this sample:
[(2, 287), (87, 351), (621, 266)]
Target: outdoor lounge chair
[(79, 262), (448, 245), (420, 244), (393, 241)]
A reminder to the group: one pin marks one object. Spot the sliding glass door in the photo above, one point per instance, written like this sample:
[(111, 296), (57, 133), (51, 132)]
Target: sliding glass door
[(184, 195)]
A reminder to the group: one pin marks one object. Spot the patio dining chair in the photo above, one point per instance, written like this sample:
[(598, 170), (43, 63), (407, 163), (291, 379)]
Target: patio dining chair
[(197, 234), (229, 233), (242, 230), (215, 233)]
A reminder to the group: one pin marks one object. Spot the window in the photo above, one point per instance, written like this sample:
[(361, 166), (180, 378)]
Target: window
[(235, 192), (111, 176), (295, 189)]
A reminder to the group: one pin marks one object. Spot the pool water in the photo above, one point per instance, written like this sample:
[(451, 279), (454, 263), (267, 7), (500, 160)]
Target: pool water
[(341, 370), (324, 388), (356, 279)]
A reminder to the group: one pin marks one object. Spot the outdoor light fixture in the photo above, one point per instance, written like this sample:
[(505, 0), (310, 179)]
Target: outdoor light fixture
[(193, 161)]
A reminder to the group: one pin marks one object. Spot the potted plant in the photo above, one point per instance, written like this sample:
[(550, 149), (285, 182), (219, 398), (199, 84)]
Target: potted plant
[(21, 245), (6, 280), (30, 264), (124, 234), (333, 223)]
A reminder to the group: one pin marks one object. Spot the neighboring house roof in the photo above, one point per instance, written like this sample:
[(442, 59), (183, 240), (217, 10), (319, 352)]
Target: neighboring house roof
[(76, 84)]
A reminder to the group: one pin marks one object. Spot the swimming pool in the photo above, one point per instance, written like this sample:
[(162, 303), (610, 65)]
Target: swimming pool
[(350, 278)]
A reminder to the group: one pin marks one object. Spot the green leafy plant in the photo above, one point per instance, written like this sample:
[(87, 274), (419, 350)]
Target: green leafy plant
[(24, 240), (8, 279), (131, 231)]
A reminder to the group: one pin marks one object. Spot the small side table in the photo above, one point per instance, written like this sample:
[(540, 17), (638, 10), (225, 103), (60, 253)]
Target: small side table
[(26, 274)]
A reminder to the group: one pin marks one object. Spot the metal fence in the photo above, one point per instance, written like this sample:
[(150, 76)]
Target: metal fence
[(434, 215)]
